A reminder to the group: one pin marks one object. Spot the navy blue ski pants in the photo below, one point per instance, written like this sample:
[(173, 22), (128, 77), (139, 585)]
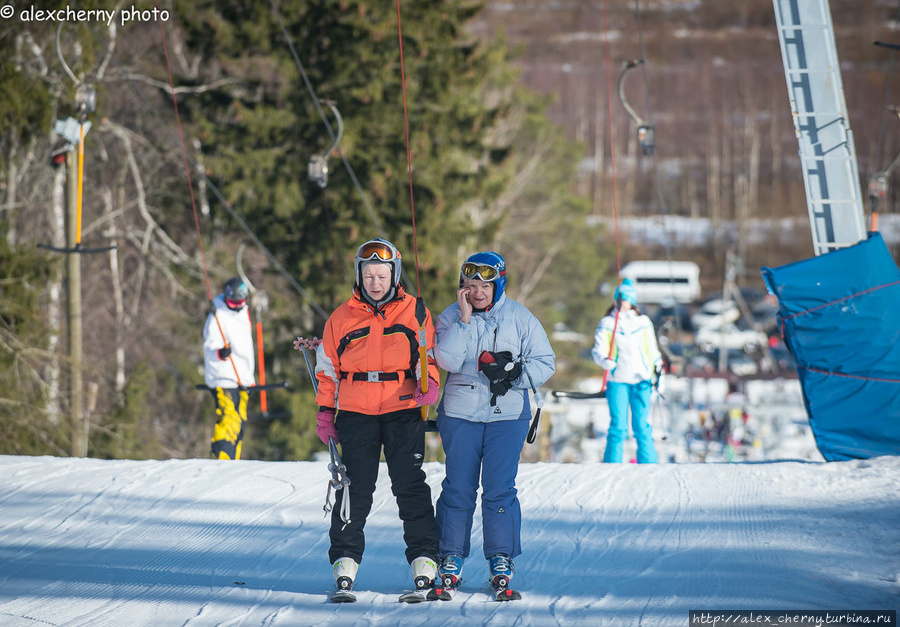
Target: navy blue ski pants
[(489, 450), (402, 433)]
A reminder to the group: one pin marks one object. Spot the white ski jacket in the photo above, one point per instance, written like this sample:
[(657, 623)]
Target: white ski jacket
[(635, 352), (239, 332), (507, 326)]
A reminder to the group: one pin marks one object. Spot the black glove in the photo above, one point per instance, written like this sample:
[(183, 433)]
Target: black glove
[(224, 353), (499, 366), (499, 388), (501, 371)]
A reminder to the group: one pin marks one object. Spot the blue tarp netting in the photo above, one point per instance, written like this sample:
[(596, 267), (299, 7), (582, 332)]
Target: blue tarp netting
[(840, 315)]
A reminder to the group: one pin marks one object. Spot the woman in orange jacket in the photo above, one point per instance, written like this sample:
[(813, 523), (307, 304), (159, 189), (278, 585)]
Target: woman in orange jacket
[(369, 377)]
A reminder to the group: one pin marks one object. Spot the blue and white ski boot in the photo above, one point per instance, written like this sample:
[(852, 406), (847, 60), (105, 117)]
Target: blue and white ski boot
[(502, 570), (449, 578)]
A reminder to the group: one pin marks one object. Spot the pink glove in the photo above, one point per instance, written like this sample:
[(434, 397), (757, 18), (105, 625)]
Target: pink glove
[(325, 426), (431, 396)]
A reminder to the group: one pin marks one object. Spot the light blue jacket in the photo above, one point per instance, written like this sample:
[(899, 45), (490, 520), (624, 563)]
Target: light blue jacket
[(507, 326)]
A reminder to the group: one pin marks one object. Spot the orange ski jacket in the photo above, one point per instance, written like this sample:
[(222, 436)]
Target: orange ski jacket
[(367, 360)]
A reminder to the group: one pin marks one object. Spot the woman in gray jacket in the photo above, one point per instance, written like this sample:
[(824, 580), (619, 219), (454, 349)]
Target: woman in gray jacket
[(494, 351)]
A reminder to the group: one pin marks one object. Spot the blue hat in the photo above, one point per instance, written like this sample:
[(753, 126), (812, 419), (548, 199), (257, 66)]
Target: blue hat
[(627, 292)]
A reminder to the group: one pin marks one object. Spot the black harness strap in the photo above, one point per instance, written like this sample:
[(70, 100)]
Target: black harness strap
[(378, 376)]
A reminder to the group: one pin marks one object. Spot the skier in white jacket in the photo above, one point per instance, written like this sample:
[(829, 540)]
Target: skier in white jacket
[(625, 346), (229, 365)]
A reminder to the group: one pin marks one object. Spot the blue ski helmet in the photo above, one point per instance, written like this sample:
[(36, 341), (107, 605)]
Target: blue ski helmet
[(487, 266), (627, 292), (380, 251)]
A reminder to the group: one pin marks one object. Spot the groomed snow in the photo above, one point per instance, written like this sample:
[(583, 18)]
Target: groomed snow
[(202, 542)]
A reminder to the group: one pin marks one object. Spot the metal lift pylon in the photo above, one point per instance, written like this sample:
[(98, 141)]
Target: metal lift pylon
[(827, 152)]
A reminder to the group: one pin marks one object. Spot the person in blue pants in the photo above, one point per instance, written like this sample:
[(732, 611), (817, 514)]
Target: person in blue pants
[(625, 346), (494, 350)]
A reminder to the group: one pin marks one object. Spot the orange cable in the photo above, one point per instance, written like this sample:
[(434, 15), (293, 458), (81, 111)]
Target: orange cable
[(612, 164)]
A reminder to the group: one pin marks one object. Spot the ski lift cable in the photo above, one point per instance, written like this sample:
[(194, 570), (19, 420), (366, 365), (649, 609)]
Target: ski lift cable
[(212, 187), (187, 169), (612, 165), (421, 312), (317, 102), (412, 203), (661, 202)]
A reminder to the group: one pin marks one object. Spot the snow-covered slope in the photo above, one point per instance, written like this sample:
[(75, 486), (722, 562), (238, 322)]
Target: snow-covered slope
[(201, 542)]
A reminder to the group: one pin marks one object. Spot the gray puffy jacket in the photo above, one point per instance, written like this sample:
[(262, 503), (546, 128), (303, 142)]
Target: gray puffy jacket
[(507, 326)]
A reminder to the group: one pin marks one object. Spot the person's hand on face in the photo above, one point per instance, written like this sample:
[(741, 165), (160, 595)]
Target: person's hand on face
[(465, 307)]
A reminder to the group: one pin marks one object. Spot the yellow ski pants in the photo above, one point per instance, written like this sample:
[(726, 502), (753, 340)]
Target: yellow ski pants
[(231, 410)]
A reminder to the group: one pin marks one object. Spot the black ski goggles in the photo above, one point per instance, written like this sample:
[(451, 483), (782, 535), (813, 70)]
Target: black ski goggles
[(376, 250), (481, 271)]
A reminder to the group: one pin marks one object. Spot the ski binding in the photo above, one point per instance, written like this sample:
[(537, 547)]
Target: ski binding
[(342, 594), (418, 595), (502, 591)]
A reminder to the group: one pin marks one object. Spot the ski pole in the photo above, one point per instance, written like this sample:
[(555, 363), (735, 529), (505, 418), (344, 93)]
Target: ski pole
[(261, 358), (339, 481), (612, 344), (532, 431), (309, 368)]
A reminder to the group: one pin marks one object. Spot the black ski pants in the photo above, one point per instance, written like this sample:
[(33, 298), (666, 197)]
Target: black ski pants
[(402, 434)]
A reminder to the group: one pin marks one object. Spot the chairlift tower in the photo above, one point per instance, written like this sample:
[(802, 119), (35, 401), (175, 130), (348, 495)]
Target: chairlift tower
[(827, 152)]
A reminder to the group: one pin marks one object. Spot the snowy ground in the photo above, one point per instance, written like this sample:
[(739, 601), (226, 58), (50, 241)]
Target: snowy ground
[(201, 542)]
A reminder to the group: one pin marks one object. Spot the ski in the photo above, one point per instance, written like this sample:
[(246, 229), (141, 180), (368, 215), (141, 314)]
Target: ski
[(343, 596), (440, 594), (421, 593), (506, 594), (342, 593), (417, 596), (444, 588)]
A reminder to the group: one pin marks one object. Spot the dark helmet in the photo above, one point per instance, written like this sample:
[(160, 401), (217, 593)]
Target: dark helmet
[(487, 266), (235, 290)]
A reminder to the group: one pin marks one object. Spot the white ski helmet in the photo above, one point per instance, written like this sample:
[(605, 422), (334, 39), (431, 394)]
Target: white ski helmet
[(380, 251)]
